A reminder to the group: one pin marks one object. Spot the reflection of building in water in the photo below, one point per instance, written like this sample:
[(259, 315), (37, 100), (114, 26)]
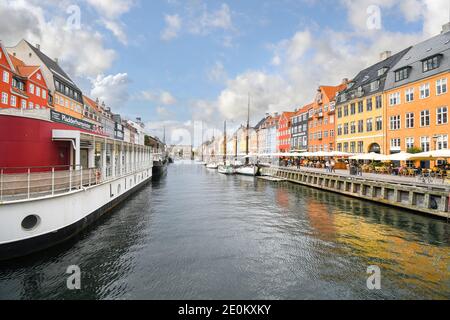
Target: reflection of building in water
[(376, 243), (321, 220), (282, 198)]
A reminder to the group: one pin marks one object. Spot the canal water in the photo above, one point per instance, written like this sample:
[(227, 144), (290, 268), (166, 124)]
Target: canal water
[(200, 235)]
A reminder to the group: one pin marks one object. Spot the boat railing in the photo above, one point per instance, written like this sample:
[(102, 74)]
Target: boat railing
[(35, 182)]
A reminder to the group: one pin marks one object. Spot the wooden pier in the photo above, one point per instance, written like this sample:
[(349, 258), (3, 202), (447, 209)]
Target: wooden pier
[(427, 199)]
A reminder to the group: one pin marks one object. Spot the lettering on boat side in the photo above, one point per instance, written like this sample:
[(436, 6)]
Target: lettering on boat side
[(230, 310)]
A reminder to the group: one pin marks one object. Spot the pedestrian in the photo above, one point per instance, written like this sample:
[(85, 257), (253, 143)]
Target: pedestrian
[(327, 166), (333, 166)]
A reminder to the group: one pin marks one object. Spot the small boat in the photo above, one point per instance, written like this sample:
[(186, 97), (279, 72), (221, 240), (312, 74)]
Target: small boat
[(213, 166), (228, 170), (250, 170)]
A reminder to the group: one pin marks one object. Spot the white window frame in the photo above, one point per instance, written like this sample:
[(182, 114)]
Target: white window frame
[(409, 142), (425, 88), (5, 99), (408, 117), (425, 140), (38, 91), (23, 104), (395, 123), (409, 95), (13, 101), (5, 76), (31, 88), (422, 116), (395, 99), (440, 114), (440, 85)]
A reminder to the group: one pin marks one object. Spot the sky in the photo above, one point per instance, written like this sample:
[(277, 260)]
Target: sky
[(178, 62)]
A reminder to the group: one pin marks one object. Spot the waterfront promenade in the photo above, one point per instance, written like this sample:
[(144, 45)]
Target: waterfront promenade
[(403, 180), (402, 192)]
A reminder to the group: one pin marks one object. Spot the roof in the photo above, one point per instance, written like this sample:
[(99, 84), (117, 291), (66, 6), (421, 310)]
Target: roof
[(261, 122), (434, 46), (22, 69), (52, 65), (331, 91), (370, 74), (91, 103)]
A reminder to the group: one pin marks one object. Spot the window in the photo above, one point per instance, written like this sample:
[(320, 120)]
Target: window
[(409, 143), (32, 88), (425, 144), (442, 115), (369, 125), (44, 94), (410, 95), (424, 91), (4, 98), (401, 74), (379, 102), (38, 76), (345, 146), (379, 123), (425, 118), (395, 123), (13, 101), (395, 144), (360, 126), (345, 128), (441, 86), (345, 111), (442, 142), (24, 104), (339, 112), (352, 147), (410, 120), (353, 109), (339, 147), (30, 105), (353, 127), (430, 64), (360, 107), (6, 76), (369, 105), (38, 91), (374, 86), (360, 147), (394, 99), (332, 133)]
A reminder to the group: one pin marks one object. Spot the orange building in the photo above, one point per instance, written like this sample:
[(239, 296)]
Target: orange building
[(321, 121), (418, 100)]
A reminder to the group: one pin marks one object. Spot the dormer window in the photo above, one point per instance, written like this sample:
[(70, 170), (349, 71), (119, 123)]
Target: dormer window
[(374, 85), (401, 74), (431, 63), (382, 71)]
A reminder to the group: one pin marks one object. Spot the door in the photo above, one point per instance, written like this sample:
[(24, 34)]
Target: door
[(84, 161)]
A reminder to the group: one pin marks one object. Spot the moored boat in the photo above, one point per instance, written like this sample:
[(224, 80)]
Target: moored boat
[(212, 166), (250, 170), (227, 170)]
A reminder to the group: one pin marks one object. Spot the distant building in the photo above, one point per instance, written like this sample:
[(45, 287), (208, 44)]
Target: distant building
[(284, 132), (299, 139)]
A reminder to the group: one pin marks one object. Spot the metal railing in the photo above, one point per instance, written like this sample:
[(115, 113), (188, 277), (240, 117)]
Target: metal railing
[(35, 182)]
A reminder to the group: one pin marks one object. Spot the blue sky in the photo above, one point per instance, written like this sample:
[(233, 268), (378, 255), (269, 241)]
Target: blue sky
[(176, 61)]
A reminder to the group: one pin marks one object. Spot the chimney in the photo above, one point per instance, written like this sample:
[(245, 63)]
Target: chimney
[(56, 60), (345, 81), (445, 28), (38, 46), (385, 54)]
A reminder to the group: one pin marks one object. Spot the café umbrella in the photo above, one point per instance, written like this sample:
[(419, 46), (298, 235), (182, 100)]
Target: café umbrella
[(432, 155)]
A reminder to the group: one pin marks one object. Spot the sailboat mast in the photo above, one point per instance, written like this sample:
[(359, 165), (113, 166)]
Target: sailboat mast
[(247, 151), (202, 142), (225, 143)]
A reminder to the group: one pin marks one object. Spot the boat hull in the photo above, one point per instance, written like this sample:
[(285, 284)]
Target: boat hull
[(159, 170), (247, 171), (226, 170), (62, 217)]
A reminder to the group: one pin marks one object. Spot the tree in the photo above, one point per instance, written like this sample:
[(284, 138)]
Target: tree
[(414, 150)]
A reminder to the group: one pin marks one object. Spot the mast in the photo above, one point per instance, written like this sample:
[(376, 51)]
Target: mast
[(247, 160), (225, 143), (202, 142)]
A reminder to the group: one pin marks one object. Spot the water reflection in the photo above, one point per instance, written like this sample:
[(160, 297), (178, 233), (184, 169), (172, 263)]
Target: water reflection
[(200, 235)]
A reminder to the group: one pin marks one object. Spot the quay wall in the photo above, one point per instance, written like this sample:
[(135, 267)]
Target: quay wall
[(430, 200)]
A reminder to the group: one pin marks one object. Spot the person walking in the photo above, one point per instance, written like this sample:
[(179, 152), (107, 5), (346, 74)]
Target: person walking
[(332, 166), (327, 166)]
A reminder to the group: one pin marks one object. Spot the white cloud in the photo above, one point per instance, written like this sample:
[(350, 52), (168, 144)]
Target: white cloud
[(112, 89), (199, 20), (22, 19), (163, 97), (111, 9), (173, 26), (117, 28), (217, 73)]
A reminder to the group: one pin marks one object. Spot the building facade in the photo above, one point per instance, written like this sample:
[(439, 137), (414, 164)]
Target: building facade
[(21, 86), (284, 132), (63, 93), (299, 140), (418, 98), (321, 119), (360, 121)]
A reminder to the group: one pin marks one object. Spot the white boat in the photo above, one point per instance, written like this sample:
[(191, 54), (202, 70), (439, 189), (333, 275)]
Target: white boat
[(213, 166), (226, 170), (250, 170)]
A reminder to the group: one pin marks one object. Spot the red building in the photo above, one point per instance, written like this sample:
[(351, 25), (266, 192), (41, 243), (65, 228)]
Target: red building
[(284, 132), (21, 86)]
